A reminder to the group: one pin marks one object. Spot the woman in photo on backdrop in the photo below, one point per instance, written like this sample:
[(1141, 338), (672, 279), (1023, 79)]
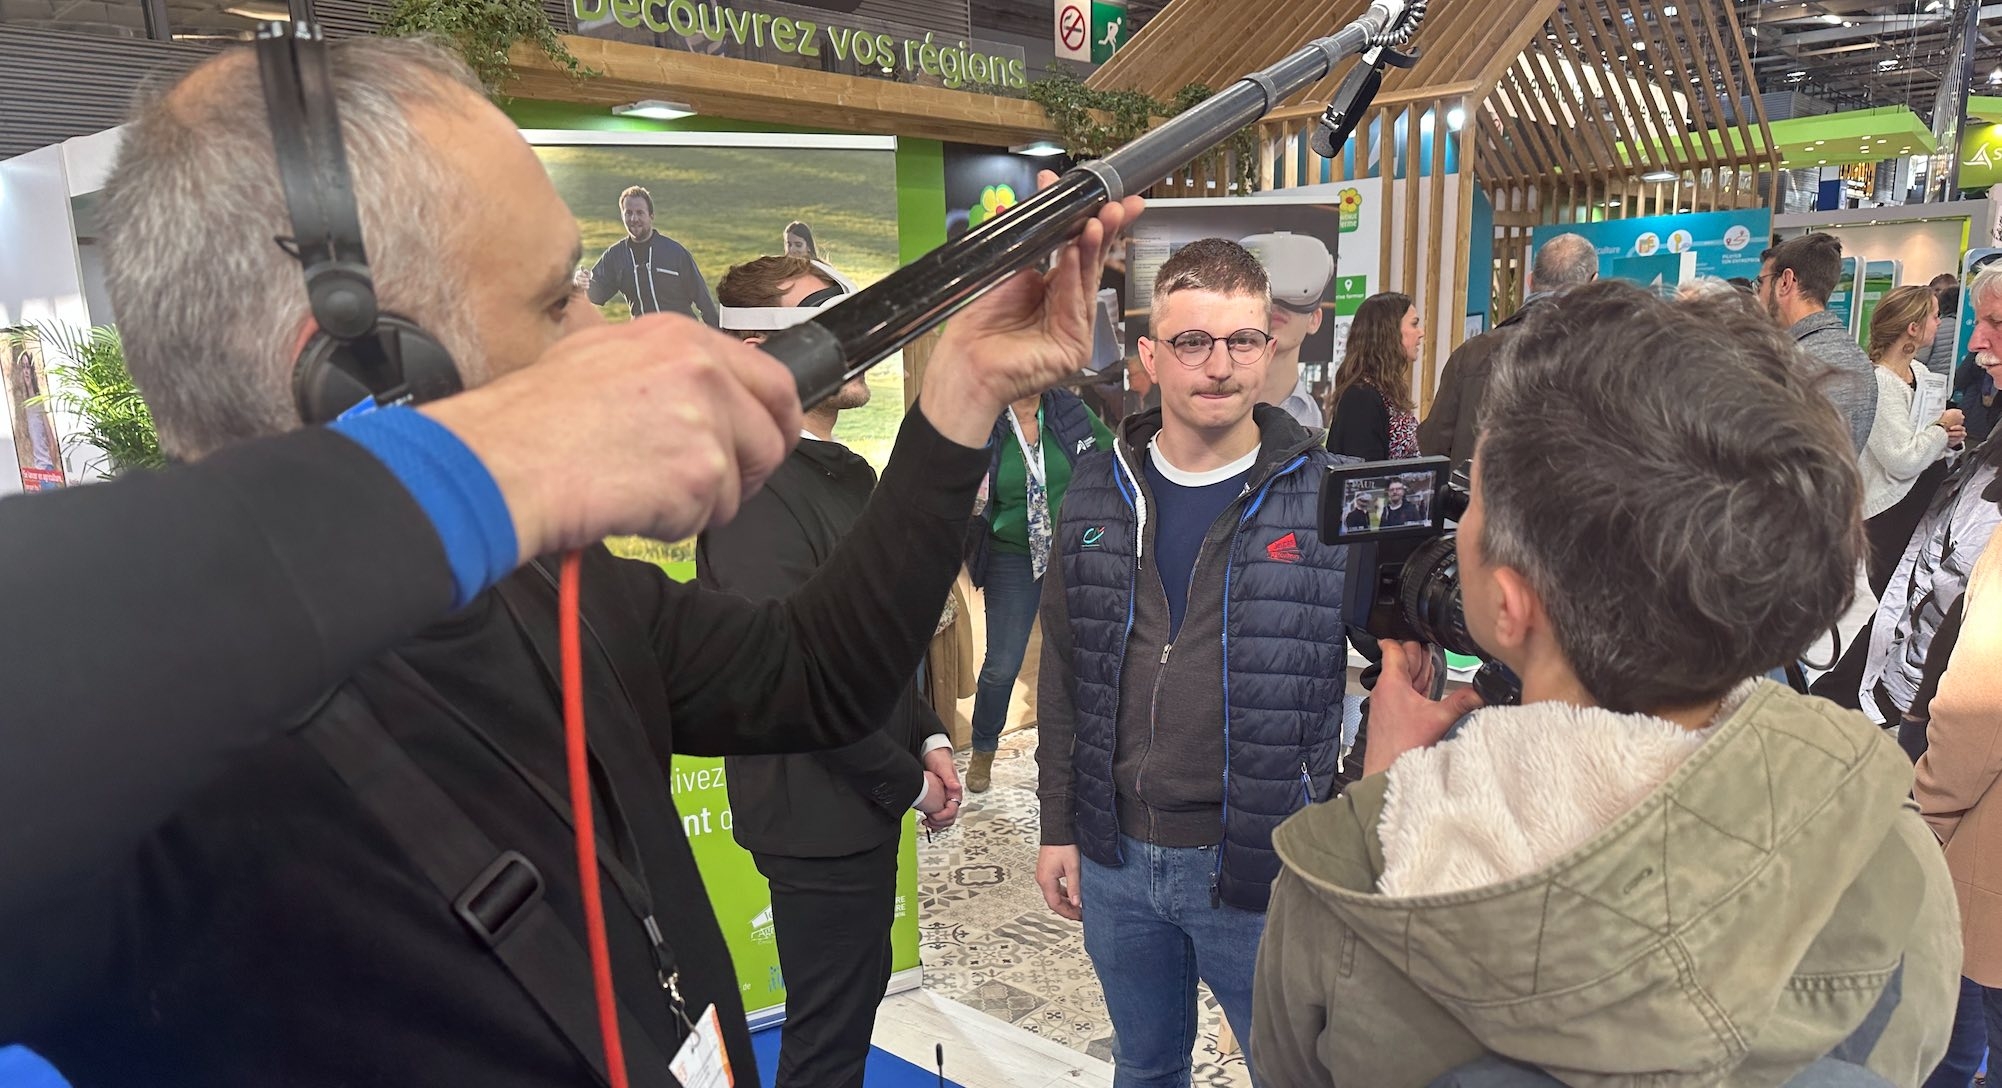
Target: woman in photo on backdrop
[(1371, 413), (1905, 458), (1036, 444), (799, 241)]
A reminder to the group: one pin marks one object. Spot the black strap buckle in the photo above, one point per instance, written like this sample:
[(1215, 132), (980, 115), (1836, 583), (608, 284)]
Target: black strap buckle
[(495, 904)]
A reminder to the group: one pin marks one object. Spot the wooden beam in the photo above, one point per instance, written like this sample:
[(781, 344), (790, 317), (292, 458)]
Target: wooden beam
[(1464, 268), (752, 91), (1411, 148), (1386, 170), (1438, 221)]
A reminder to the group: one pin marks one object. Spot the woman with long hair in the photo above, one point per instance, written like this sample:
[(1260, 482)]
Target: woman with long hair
[(1903, 461), (799, 241), (1371, 411)]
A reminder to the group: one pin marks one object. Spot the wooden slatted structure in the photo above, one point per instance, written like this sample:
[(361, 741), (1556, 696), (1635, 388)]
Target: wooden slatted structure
[(1557, 107)]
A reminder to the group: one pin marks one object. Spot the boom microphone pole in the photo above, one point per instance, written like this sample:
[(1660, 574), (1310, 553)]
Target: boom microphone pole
[(844, 341)]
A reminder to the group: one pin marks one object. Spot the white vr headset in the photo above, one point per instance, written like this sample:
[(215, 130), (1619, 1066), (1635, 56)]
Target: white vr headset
[(1299, 266), (775, 318)]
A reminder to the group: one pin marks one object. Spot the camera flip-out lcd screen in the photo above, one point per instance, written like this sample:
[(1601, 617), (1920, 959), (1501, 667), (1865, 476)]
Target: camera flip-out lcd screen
[(1383, 499)]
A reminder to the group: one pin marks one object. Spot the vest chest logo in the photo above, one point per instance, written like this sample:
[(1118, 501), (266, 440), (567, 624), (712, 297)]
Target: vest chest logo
[(1285, 550), (1094, 536), (1087, 444)]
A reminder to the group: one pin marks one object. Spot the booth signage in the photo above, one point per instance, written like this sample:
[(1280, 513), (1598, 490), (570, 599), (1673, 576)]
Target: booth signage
[(1842, 300), (1879, 277), (1072, 30), (1726, 244), (1981, 157), (1108, 28), (952, 62)]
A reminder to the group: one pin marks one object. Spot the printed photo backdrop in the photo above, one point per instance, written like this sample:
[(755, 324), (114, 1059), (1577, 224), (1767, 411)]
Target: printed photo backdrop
[(729, 198), (37, 448)]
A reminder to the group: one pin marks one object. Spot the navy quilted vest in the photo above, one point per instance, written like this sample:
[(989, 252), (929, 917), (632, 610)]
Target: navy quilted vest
[(1284, 654)]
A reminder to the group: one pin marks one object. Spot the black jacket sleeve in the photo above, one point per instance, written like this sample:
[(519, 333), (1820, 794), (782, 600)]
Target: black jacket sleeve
[(698, 288), (163, 624), (606, 279), (1361, 427), (831, 660), (1056, 716), (764, 554)]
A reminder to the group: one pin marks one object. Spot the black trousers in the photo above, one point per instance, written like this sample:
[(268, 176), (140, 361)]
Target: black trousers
[(832, 917)]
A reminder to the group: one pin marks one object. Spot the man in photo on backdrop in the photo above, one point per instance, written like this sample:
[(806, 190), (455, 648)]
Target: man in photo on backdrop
[(1357, 519), (823, 827), (655, 273), (415, 808), (1299, 267), (1181, 716)]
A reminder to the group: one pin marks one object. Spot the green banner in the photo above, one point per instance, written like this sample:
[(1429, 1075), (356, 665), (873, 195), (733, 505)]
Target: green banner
[(1981, 156), (1349, 293), (743, 901), (1879, 277)]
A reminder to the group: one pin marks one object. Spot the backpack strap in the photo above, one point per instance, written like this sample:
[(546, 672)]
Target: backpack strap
[(497, 894)]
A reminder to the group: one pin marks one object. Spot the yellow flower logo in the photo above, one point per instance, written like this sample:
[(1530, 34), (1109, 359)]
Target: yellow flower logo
[(994, 200), (1351, 201)]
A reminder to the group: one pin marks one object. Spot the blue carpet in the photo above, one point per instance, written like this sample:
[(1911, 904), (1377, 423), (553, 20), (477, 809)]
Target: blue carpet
[(884, 1071)]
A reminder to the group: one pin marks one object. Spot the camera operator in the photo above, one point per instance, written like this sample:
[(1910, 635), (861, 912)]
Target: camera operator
[(1657, 869), (288, 923)]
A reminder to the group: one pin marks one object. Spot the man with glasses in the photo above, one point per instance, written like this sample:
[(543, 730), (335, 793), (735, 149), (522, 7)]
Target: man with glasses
[(1795, 279), (1193, 669)]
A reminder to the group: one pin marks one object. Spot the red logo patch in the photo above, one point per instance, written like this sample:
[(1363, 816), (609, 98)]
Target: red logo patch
[(1284, 550)]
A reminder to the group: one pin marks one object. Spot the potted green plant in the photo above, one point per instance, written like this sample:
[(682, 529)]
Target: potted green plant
[(484, 32)]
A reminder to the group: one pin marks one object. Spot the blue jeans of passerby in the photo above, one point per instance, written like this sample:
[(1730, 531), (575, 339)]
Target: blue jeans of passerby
[(1151, 933), (1011, 596), (1971, 1031)]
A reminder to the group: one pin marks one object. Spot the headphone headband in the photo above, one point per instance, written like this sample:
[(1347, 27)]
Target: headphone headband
[(356, 351)]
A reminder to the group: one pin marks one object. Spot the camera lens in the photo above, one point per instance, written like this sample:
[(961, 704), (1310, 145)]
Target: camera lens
[(1429, 596)]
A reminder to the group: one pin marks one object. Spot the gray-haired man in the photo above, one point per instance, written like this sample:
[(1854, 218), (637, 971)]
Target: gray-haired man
[(1451, 428), (298, 922)]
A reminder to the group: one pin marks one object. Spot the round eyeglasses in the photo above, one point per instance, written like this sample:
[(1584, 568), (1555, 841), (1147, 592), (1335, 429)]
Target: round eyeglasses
[(1244, 345)]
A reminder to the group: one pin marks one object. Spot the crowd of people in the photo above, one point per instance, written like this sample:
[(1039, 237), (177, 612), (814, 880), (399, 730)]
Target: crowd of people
[(300, 825)]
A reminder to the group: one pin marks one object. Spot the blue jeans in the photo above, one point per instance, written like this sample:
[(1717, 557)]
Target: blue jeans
[(1969, 1043), (1151, 933), (1011, 596)]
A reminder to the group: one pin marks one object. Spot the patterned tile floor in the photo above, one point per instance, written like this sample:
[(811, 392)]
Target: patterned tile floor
[(988, 941)]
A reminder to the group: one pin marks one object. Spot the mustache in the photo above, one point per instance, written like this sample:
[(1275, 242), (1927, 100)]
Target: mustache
[(1987, 359), (1220, 389)]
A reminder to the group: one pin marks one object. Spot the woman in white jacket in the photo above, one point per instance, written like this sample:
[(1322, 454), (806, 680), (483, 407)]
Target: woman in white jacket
[(1904, 460)]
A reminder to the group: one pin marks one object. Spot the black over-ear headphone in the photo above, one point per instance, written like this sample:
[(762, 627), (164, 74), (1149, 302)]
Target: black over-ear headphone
[(357, 352)]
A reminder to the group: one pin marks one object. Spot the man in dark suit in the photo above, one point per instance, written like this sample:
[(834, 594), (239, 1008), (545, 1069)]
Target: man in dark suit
[(823, 827)]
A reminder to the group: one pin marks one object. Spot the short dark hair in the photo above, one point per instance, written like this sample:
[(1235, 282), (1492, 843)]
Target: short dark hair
[(1815, 261), (1714, 527), (1212, 264), (637, 191)]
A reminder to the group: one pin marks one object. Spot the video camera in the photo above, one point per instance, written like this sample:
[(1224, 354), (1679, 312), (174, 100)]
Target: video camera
[(1403, 577)]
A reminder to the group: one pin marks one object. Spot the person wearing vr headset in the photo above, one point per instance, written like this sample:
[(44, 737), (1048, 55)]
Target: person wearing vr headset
[(823, 827), (1300, 268), (374, 880)]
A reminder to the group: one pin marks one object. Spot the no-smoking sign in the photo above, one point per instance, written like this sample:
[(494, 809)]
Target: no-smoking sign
[(1073, 38)]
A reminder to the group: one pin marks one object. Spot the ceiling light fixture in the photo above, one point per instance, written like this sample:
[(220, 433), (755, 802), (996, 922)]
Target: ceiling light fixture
[(260, 14), (1831, 20), (1886, 64), (1456, 118), (1669, 10), (1041, 149), (653, 109), (1796, 75), (1659, 176)]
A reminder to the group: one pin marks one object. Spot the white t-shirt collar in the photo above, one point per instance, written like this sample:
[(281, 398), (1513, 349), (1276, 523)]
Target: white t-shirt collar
[(1180, 478)]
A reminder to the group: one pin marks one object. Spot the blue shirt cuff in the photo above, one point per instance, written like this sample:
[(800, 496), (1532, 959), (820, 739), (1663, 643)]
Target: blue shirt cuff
[(451, 486)]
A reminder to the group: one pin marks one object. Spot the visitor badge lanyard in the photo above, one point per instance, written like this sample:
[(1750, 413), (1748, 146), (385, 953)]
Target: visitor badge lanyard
[(1032, 457)]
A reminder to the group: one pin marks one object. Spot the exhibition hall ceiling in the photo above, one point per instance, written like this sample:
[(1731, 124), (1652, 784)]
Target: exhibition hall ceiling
[(1864, 53)]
